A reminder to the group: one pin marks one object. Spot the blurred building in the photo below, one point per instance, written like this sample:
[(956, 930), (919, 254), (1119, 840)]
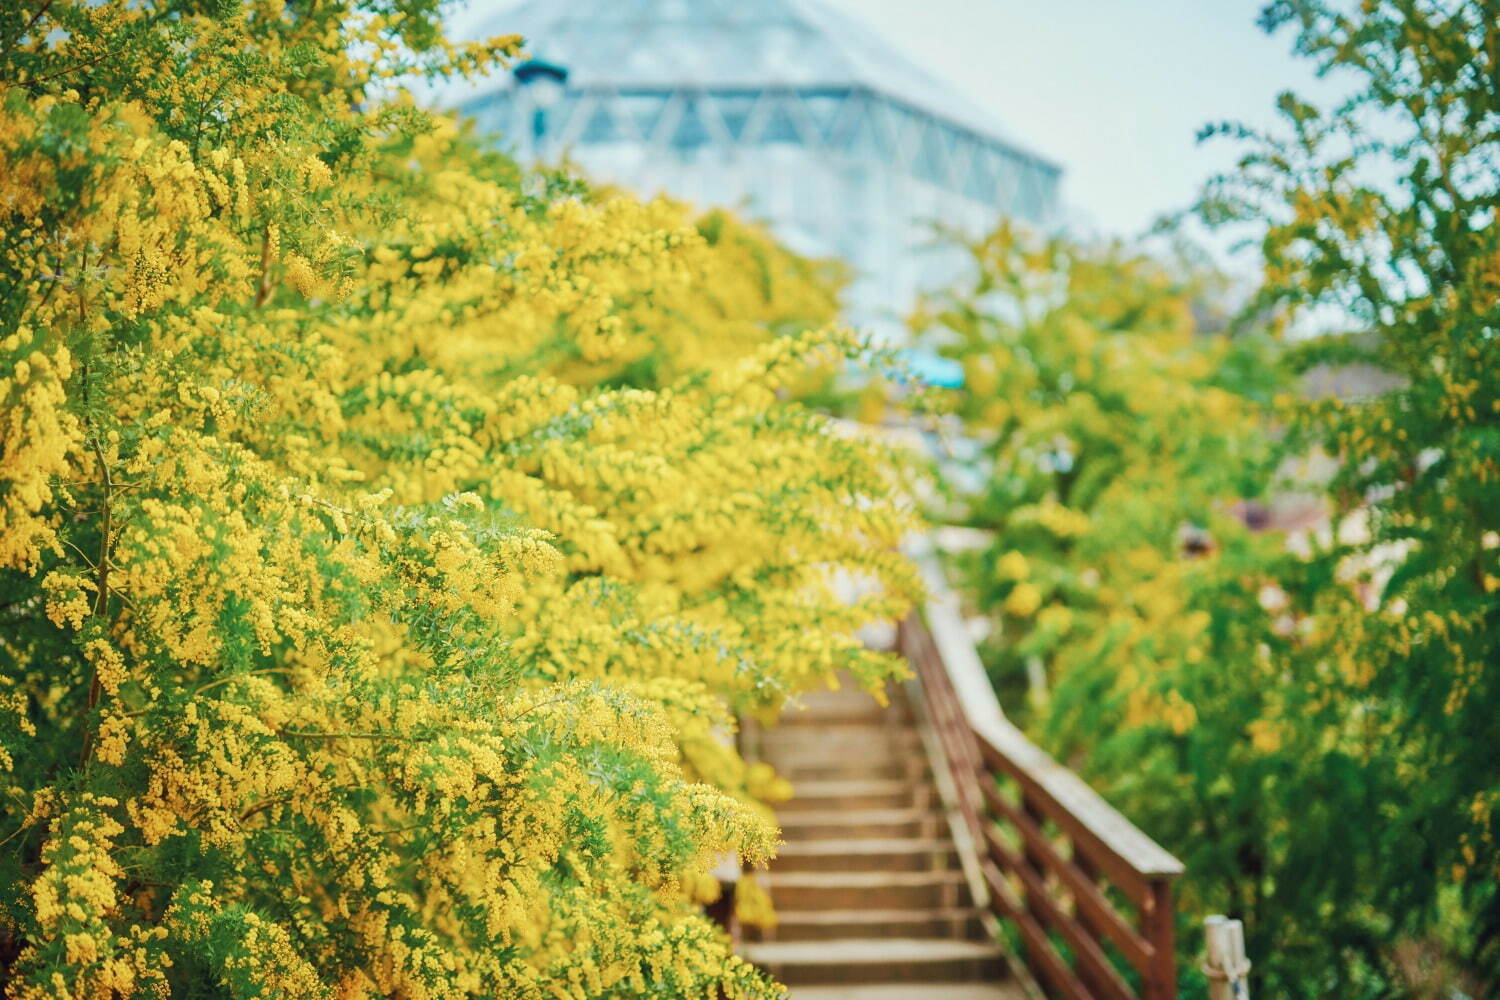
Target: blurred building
[(793, 112)]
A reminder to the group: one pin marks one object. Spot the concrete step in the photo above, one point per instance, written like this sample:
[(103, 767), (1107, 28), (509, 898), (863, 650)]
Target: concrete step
[(855, 961), (860, 824), (809, 891), (872, 748), (852, 708), (858, 793), (894, 855), (953, 923), (851, 731), (870, 897), (805, 717), (875, 745), (841, 762), (850, 693), (824, 768)]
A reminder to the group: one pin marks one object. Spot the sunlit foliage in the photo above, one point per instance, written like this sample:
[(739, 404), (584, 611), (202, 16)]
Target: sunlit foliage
[(1307, 717), (1117, 444), (386, 538), (1381, 221)]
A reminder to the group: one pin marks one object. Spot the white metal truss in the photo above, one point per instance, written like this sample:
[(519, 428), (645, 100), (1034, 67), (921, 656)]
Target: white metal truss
[(779, 106)]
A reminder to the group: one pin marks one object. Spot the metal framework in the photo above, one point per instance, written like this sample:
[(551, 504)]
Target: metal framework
[(781, 107)]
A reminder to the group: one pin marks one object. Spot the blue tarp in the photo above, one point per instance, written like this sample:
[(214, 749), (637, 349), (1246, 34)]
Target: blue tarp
[(933, 369)]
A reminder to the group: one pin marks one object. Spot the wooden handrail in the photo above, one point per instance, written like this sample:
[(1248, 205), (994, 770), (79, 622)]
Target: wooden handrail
[(1054, 855)]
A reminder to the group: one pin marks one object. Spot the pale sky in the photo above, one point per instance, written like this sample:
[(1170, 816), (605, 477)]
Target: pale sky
[(1113, 90)]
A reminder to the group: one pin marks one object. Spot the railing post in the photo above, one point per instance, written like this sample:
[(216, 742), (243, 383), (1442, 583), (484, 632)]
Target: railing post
[(1033, 860), (1159, 925), (1088, 871), (1224, 963)]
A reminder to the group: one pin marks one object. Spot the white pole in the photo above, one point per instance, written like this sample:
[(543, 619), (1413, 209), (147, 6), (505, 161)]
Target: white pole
[(1225, 964)]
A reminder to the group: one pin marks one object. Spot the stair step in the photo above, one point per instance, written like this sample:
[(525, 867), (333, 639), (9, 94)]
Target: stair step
[(824, 768), (816, 763), (868, 744), (900, 854), (930, 991), (808, 891), (855, 708), (870, 899), (849, 693), (873, 729), (798, 718), (860, 824), (876, 960), (953, 923), (858, 793)]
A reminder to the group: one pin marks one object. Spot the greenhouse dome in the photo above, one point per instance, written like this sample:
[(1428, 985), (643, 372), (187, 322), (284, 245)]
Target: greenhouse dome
[(797, 114)]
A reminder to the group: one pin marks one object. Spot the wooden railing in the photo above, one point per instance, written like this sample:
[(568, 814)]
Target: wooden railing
[(1088, 892)]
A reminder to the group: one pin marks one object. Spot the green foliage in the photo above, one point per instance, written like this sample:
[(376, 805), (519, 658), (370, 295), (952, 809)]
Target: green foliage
[(1382, 221), (1083, 372), (1119, 448)]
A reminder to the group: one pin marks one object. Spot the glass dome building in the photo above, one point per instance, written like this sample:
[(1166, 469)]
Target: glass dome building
[(792, 112)]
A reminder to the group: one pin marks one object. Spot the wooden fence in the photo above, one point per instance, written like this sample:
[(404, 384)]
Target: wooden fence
[(1088, 892)]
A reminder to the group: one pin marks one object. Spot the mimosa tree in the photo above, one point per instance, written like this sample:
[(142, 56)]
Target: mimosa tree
[(384, 540)]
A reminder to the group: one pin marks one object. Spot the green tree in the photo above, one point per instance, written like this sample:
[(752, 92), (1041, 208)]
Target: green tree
[(1120, 448), (1381, 221), (1308, 719)]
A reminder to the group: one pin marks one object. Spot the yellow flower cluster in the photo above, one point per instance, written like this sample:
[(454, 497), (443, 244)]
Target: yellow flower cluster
[(395, 539)]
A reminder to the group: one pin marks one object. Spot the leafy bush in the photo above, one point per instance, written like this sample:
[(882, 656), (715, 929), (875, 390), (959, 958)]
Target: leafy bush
[(1117, 447), (1308, 719), (1381, 220), (385, 537)]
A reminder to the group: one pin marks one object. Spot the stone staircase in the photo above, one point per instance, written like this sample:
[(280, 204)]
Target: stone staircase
[(871, 899)]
